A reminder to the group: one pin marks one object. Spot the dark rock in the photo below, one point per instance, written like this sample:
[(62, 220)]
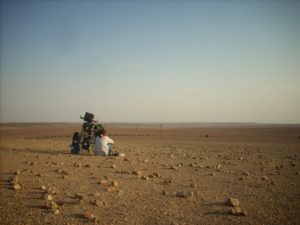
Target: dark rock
[(184, 194)]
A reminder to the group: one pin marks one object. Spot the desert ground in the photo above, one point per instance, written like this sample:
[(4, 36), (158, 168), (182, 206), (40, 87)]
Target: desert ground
[(170, 174)]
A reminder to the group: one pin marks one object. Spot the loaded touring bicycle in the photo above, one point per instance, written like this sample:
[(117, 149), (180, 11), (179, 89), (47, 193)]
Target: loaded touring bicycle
[(86, 138)]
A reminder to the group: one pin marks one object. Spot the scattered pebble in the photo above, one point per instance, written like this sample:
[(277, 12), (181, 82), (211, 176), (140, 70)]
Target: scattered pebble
[(121, 154), (145, 177), (237, 211), (114, 184), (96, 194), (54, 163), (56, 211), (233, 202), (58, 171), (157, 175), (163, 192), (180, 164), (136, 172), (25, 171), (265, 178), (102, 182), (17, 187), (51, 205), (63, 172), (48, 197), (111, 189), (96, 202), (184, 194), (169, 181), (246, 174), (89, 216), (113, 166), (76, 164), (278, 167), (43, 188), (123, 171), (52, 191), (174, 167), (193, 185), (79, 195)]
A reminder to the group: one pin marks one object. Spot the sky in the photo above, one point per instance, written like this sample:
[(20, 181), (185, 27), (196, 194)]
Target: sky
[(150, 61)]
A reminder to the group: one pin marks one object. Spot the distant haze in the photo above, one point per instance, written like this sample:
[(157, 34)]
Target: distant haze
[(150, 61)]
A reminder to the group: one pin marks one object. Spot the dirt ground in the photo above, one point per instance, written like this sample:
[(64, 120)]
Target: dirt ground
[(169, 175)]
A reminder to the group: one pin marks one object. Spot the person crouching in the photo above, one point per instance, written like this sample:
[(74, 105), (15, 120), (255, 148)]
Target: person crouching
[(103, 145)]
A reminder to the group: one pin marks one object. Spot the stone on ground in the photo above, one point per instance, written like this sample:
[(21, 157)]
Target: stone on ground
[(233, 202)]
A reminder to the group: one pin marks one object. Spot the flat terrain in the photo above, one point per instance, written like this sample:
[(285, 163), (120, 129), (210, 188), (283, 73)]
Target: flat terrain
[(169, 175)]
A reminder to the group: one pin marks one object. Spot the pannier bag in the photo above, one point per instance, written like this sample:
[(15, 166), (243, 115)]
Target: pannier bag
[(98, 129), (75, 148), (86, 144), (88, 117)]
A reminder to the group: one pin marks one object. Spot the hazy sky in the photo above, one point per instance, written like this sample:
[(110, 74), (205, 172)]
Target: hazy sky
[(150, 61)]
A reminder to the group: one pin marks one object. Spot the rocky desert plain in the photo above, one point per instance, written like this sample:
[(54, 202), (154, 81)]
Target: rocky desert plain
[(171, 174)]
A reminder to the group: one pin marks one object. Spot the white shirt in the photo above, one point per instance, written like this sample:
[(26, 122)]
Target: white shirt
[(101, 145)]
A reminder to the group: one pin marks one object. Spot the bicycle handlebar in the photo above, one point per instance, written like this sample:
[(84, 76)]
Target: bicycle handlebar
[(81, 117)]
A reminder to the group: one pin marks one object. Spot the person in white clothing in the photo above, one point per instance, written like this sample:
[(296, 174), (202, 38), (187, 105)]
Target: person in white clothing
[(103, 145)]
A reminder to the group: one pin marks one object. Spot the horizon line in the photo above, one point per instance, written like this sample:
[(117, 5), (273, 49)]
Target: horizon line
[(170, 123)]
